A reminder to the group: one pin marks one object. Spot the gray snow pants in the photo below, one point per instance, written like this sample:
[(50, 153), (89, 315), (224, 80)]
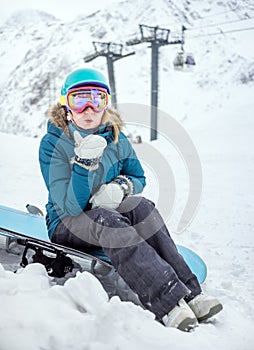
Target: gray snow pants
[(140, 248)]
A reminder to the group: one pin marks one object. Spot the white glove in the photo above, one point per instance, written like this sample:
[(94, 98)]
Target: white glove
[(91, 146), (88, 150), (108, 196)]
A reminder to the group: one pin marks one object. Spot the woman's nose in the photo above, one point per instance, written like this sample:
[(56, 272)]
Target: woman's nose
[(88, 109)]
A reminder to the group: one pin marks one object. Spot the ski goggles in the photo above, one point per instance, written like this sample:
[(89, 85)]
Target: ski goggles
[(77, 99)]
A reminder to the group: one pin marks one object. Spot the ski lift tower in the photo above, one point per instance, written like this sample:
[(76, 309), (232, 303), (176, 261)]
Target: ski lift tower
[(157, 37), (112, 52)]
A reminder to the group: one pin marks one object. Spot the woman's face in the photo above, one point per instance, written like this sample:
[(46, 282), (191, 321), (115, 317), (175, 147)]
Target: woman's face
[(88, 119)]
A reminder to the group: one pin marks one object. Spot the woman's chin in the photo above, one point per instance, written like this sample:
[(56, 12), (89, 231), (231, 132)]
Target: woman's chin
[(87, 125)]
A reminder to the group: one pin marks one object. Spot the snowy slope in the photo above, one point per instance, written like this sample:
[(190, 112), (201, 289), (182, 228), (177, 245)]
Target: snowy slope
[(79, 314), (214, 104)]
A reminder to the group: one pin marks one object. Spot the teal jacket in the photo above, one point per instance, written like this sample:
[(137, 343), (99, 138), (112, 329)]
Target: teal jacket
[(71, 186)]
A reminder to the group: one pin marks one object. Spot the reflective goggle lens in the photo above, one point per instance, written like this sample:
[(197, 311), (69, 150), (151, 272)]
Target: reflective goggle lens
[(79, 99)]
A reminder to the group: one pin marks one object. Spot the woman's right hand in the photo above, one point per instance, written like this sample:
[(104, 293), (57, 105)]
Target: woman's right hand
[(88, 150), (89, 147)]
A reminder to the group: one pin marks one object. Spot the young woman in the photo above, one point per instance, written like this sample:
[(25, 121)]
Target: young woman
[(92, 175)]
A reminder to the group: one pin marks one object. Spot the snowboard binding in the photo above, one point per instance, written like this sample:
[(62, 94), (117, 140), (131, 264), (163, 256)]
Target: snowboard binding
[(57, 264)]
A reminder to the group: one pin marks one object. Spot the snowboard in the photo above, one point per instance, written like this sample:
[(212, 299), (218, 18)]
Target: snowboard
[(31, 231)]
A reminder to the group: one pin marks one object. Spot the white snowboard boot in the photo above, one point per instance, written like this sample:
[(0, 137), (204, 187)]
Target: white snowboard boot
[(205, 306), (181, 317)]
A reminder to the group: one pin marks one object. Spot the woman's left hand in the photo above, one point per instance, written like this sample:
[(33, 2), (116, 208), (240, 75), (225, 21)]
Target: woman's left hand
[(108, 196)]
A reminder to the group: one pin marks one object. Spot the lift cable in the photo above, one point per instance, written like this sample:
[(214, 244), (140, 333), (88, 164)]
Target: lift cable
[(221, 23), (223, 32)]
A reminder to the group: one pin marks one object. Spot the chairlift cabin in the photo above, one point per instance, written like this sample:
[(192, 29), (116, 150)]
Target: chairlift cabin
[(183, 60), (189, 60), (179, 61)]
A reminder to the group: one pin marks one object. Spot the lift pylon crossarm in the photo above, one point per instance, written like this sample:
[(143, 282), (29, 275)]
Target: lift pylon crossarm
[(174, 42), (91, 57), (153, 33), (122, 56), (108, 47), (133, 42)]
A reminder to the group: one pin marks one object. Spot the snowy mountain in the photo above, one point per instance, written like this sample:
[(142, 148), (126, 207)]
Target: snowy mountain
[(26, 18), (38, 50)]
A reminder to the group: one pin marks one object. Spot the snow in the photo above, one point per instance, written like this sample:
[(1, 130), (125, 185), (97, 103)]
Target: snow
[(215, 107)]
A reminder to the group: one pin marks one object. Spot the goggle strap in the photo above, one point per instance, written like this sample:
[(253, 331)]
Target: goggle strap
[(63, 100)]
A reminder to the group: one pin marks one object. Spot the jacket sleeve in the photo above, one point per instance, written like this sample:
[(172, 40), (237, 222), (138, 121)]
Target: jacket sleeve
[(131, 166), (67, 184)]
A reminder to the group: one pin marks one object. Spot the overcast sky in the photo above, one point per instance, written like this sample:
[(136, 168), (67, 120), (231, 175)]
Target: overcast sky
[(63, 9)]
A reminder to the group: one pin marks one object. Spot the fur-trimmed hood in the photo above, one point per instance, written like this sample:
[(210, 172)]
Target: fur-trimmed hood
[(60, 117)]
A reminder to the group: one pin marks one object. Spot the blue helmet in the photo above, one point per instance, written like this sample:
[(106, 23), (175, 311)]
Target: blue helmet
[(83, 77)]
